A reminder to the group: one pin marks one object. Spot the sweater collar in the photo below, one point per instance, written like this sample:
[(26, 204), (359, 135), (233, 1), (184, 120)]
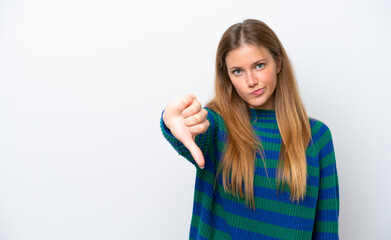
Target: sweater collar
[(262, 114)]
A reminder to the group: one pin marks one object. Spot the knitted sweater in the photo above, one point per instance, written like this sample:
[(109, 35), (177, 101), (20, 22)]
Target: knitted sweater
[(219, 215)]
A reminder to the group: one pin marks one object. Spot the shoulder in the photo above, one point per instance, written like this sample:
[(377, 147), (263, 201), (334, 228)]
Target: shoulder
[(320, 132), (217, 124), (214, 116), (212, 112), (318, 127)]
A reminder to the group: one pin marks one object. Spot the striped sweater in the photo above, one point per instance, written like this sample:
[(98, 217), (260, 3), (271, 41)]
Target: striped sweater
[(219, 215)]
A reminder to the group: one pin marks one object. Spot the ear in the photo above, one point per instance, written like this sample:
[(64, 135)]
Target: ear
[(279, 63)]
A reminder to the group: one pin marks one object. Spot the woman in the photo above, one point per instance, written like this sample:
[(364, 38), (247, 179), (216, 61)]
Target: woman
[(265, 170)]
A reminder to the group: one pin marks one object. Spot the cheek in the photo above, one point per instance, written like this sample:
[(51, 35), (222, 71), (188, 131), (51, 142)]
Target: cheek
[(239, 87), (236, 83), (268, 77)]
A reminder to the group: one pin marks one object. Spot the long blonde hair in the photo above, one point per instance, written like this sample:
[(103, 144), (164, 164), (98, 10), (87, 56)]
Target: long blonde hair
[(237, 165)]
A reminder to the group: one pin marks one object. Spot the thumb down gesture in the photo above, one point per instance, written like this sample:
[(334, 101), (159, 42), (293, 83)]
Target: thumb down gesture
[(186, 118)]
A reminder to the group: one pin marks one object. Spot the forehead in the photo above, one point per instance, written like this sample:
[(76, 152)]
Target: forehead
[(246, 54)]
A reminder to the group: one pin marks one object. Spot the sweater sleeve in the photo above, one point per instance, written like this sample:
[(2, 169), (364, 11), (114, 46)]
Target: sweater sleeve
[(327, 209), (204, 141)]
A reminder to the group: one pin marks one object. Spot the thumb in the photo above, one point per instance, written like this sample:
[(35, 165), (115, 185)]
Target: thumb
[(195, 152)]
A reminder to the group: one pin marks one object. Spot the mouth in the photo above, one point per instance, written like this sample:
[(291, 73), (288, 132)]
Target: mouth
[(258, 91)]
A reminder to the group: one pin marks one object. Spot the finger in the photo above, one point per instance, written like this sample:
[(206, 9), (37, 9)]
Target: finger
[(195, 107), (185, 102), (197, 118), (195, 151), (199, 128)]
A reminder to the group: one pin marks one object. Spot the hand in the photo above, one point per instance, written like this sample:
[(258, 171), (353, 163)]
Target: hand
[(186, 118)]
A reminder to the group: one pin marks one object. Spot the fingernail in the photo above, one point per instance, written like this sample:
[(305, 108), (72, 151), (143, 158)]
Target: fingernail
[(202, 167)]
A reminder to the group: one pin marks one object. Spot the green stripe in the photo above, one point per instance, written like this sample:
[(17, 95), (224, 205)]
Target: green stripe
[(328, 182), (207, 231), (312, 151), (326, 227), (266, 125), (328, 160), (327, 204)]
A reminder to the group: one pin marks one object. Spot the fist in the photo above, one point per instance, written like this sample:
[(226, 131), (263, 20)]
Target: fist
[(186, 118)]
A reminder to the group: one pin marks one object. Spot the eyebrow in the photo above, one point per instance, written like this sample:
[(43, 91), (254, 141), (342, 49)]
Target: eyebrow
[(255, 63)]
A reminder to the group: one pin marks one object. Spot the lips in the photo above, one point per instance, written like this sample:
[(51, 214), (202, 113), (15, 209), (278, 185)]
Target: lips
[(258, 91)]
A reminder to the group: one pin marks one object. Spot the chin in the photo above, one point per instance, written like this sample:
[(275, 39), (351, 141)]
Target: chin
[(260, 104), (256, 104)]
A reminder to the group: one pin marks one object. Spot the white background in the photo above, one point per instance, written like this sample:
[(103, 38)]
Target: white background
[(83, 84)]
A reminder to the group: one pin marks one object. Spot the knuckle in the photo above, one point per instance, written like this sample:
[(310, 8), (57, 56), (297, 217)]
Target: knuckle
[(186, 97), (190, 97), (197, 117), (204, 112), (193, 130)]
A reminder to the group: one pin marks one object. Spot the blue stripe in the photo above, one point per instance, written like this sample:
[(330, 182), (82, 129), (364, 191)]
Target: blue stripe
[(327, 149), (209, 164), (328, 171), (282, 197), (213, 123), (311, 180), (322, 130), (313, 161), (328, 193), (312, 122), (218, 155), (222, 136), (326, 216)]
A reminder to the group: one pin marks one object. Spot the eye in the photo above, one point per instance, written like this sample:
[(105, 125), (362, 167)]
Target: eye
[(237, 72), (260, 66)]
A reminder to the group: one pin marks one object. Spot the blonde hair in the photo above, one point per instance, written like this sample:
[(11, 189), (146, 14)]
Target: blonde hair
[(237, 165)]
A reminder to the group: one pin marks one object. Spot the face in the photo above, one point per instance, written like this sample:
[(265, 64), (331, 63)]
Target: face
[(253, 72)]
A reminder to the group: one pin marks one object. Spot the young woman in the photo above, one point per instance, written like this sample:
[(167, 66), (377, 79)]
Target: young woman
[(265, 170)]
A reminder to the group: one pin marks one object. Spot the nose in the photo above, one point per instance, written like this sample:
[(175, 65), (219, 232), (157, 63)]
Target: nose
[(252, 80)]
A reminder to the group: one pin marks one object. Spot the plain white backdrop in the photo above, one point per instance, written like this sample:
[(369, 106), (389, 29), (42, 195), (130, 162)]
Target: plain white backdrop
[(83, 84)]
